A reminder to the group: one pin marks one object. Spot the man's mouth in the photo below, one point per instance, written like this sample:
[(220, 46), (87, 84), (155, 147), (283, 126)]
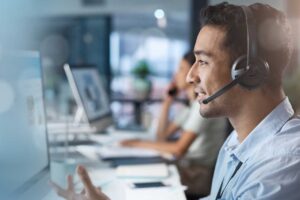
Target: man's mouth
[(200, 94)]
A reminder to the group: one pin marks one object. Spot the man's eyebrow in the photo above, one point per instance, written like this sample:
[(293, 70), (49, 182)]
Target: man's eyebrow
[(201, 52)]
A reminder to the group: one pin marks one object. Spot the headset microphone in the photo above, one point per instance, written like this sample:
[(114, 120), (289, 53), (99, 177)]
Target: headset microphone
[(222, 90)]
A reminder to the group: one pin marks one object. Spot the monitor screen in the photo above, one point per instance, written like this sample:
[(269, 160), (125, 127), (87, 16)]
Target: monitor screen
[(23, 139), (87, 85)]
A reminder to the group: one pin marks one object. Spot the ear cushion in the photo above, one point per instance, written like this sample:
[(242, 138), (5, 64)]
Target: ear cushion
[(254, 74)]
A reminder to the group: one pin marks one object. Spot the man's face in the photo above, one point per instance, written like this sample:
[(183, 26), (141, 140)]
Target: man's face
[(211, 72)]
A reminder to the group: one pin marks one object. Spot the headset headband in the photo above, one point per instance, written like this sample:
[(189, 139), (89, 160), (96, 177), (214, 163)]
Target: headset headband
[(251, 35)]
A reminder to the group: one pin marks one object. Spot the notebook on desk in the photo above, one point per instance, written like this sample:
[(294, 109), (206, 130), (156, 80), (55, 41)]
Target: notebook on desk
[(115, 151), (115, 162), (143, 171), (118, 155)]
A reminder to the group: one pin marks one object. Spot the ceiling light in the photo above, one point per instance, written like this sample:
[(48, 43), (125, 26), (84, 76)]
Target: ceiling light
[(159, 13)]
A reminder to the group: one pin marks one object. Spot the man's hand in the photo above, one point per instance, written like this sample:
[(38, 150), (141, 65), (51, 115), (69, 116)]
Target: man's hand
[(90, 192), (131, 143)]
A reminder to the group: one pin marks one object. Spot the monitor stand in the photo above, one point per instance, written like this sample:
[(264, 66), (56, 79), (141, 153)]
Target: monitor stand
[(80, 117), (78, 128)]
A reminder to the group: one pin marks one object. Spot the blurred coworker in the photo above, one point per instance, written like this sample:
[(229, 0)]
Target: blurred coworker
[(200, 139)]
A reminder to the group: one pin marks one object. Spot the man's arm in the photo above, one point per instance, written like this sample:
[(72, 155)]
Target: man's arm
[(177, 148)]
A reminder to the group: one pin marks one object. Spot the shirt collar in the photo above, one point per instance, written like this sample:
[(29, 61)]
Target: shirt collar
[(270, 125)]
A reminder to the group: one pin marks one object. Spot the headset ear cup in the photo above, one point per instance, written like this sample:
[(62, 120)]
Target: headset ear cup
[(239, 67), (257, 74), (254, 75)]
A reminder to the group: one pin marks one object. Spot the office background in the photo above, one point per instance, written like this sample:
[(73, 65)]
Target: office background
[(135, 45), (119, 36)]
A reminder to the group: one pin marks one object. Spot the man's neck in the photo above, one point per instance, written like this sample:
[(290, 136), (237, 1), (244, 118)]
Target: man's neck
[(256, 110)]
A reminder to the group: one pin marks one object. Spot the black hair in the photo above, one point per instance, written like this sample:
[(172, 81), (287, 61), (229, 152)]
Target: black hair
[(273, 32)]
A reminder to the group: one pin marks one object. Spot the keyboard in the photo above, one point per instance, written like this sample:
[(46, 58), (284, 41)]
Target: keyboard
[(72, 143), (56, 128)]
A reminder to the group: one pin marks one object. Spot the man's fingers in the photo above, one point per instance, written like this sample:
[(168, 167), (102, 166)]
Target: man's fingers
[(83, 175), (70, 183), (60, 191)]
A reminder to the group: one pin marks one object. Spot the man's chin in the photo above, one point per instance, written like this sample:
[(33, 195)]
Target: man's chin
[(206, 113)]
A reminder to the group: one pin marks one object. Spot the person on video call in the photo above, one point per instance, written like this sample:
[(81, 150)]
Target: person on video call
[(260, 159), (206, 135)]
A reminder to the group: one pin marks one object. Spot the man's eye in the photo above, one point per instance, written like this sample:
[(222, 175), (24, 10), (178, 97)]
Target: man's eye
[(202, 62)]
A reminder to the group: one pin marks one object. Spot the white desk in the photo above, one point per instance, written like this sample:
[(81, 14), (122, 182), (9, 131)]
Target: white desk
[(118, 188)]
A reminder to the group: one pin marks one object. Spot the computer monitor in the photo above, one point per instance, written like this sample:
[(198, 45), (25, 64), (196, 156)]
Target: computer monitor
[(90, 96), (24, 158)]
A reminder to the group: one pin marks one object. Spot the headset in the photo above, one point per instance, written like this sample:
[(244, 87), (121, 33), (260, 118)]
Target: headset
[(249, 70)]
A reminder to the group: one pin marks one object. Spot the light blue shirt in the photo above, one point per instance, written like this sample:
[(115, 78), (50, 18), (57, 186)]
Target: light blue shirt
[(270, 157)]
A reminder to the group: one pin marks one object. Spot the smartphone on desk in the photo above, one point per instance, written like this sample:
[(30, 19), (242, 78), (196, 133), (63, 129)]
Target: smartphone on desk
[(147, 185)]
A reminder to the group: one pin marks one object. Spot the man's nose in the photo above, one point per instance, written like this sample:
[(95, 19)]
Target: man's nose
[(191, 77)]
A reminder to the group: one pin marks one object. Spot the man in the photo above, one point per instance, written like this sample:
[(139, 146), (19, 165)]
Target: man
[(261, 158)]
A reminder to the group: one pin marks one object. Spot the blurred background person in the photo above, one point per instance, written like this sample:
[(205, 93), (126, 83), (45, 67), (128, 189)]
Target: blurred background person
[(199, 139)]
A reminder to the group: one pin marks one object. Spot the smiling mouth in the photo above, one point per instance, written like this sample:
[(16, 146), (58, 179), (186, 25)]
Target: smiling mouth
[(200, 95)]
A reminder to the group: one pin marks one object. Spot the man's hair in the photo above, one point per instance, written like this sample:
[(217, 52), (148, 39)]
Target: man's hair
[(273, 33), (189, 57)]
